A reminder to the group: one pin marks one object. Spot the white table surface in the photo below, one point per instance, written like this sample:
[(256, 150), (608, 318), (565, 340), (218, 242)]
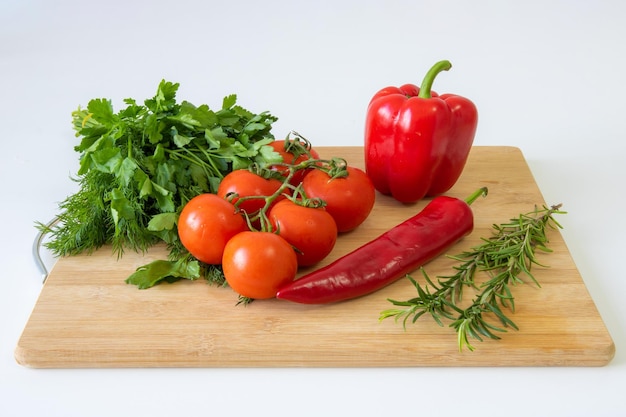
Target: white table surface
[(546, 76)]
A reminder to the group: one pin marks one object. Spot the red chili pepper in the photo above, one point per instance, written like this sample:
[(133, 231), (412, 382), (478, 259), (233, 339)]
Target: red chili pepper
[(416, 141), (392, 255)]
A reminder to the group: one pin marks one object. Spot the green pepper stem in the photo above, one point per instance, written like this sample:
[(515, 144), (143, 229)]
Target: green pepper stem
[(480, 192), (429, 78)]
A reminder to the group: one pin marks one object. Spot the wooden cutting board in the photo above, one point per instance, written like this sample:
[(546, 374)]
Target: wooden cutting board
[(86, 316)]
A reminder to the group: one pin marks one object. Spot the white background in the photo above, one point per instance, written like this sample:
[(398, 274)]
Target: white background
[(547, 77)]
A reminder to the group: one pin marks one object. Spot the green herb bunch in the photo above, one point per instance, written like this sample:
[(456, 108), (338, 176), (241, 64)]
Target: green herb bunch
[(140, 166), (506, 258)]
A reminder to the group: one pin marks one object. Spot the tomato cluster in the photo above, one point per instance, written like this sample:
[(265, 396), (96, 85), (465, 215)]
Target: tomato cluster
[(261, 228)]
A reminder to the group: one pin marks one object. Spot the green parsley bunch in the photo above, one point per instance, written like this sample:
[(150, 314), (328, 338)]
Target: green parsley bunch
[(140, 166)]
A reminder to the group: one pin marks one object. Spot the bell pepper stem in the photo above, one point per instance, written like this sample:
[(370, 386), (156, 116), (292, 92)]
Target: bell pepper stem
[(480, 192), (429, 78)]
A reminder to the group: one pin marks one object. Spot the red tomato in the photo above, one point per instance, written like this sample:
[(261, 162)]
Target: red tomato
[(257, 264), (245, 183), (205, 224), (312, 231), (349, 199), (291, 158)]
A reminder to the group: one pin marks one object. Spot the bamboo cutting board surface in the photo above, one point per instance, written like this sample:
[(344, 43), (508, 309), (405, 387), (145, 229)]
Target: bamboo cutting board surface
[(87, 316)]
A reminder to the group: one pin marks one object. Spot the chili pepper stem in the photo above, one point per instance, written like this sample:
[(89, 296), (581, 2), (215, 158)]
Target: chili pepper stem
[(474, 196), (429, 78)]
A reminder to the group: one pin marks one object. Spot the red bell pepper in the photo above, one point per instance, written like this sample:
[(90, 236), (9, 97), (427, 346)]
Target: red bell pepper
[(416, 141)]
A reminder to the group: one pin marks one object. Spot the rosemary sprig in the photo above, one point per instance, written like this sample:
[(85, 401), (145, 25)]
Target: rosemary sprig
[(506, 257)]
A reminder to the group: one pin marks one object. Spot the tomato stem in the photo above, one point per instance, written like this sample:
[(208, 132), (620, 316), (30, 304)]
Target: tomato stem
[(298, 146), (334, 167)]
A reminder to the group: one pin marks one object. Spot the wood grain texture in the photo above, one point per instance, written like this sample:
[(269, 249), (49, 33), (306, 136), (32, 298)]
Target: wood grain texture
[(86, 316)]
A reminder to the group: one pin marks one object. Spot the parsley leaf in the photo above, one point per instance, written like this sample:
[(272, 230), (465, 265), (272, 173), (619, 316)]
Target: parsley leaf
[(151, 274)]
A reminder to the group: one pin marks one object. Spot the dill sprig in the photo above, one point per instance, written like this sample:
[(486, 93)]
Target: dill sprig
[(506, 258)]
